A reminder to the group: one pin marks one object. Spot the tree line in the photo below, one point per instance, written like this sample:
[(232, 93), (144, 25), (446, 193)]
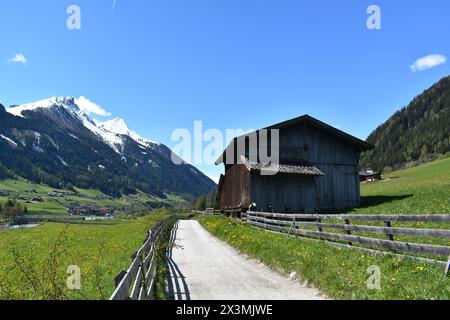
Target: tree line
[(11, 209), (416, 134), (206, 201)]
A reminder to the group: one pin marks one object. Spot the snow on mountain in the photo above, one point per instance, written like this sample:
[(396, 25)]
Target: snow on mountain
[(119, 126), (110, 132), (42, 104), (10, 141)]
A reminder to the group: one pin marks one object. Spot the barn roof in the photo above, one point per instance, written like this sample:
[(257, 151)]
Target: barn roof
[(282, 168), (361, 144)]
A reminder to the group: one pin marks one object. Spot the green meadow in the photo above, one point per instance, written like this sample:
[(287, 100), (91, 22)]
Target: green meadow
[(33, 262), (23, 189), (420, 190)]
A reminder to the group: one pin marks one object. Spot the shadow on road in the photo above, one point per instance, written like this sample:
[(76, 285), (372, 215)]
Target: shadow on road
[(177, 286)]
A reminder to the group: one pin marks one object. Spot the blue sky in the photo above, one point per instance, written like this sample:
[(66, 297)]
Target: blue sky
[(163, 64)]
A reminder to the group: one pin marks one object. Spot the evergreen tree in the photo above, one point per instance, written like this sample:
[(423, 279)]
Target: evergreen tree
[(416, 134), (200, 204)]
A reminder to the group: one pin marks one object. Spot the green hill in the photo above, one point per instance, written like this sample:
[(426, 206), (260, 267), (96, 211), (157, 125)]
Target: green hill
[(420, 190), (416, 134), (27, 192)]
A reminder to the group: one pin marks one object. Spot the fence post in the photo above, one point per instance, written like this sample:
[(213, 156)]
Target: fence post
[(265, 222), (390, 236), (320, 221), (142, 286), (347, 222), (119, 277), (447, 268)]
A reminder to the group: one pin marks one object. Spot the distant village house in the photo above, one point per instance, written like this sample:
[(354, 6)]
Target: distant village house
[(369, 176)]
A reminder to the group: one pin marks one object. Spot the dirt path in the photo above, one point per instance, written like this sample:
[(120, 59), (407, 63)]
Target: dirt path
[(205, 268)]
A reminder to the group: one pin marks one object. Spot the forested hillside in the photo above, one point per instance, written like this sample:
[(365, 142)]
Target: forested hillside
[(54, 143), (416, 134)]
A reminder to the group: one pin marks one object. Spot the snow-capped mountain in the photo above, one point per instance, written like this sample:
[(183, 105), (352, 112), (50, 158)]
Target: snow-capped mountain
[(56, 142), (120, 127), (110, 132)]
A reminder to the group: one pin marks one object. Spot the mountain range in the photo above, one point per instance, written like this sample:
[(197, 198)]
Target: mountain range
[(418, 133), (55, 142)]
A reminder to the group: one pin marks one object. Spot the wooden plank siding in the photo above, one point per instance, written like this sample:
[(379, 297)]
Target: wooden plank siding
[(306, 141), (339, 188), (235, 193), (283, 193)]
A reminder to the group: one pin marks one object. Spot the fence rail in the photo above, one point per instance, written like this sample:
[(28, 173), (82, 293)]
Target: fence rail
[(295, 224), (138, 282)]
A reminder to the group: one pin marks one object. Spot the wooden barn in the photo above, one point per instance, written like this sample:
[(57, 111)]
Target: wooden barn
[(317, 171)]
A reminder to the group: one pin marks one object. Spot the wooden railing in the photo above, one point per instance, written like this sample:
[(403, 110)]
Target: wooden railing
[(138, 282), (312, 226)]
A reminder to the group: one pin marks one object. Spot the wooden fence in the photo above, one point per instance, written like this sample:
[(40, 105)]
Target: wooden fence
[(138, 282), (312, 226)]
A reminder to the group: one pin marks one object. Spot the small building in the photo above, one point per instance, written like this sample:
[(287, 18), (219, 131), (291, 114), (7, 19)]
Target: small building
[(369, 176), (317, 170)]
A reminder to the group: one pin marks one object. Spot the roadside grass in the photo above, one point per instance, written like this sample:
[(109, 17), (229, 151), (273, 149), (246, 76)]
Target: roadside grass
[(338, 273), (100, 250)]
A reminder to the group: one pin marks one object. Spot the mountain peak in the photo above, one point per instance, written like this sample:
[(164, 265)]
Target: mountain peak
[(67, 102), (116, 125), (110, 131), (119, 126)]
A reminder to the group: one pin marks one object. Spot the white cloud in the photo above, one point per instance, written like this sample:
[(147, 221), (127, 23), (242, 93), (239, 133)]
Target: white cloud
[(428, 62), (18, 58), (91, 108)]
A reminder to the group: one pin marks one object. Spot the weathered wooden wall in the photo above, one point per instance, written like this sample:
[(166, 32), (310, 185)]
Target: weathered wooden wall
[(337, 157), (339, 160), (236, 189), (283, 193)]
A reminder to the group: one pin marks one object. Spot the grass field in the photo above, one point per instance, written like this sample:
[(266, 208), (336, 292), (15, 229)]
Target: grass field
[(420, 190), (57, 205), (38, 268), (342, 274)]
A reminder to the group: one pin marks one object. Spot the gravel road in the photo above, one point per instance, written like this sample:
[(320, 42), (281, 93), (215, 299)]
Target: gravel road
[(205, 268)]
